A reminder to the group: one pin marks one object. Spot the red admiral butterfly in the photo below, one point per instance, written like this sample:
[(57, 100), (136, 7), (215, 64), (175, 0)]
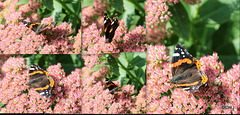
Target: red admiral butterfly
[(40, 81), (38, 27), (186, 70), (110, 27), (113, 88)]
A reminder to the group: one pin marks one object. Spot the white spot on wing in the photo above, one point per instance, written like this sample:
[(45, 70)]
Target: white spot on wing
[(42, 93), (176, 54), (32, 69), (186, 88)]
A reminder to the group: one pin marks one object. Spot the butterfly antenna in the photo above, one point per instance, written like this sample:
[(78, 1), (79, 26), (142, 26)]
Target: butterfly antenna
[(41, 35), (111, 44), (105, 13)]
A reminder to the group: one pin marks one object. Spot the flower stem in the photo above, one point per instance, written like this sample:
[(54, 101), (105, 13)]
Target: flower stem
[(129, 73)]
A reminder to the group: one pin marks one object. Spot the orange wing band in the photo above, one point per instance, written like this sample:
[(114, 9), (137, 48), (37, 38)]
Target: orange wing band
[(180, 61)]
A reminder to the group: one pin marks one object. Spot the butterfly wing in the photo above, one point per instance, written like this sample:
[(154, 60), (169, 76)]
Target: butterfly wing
[(43, 27), (113, 88), (37, 27), (181, 60), (110, 27), (185, 70), (39, 80), (32, 26)]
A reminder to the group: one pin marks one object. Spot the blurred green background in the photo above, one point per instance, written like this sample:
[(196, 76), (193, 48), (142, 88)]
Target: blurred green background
[(211, 26)]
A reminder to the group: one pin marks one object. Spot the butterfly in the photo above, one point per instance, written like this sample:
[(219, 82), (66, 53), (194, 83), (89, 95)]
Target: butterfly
[(186, 70), (110, 27), (40, 80), (113, 88), (38, 27)]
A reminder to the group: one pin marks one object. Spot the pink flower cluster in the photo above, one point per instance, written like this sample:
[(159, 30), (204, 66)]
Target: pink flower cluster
[(123, 41), (20, 98), (82, 91), (78, 42), (157, 70), (227, 92), (16, 38), (89, 12), (157, 16), (97, 99), (1, 5), (222, 89), (133, 40)]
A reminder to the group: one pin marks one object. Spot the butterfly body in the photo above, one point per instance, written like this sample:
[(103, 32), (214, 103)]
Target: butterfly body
[(40, 80), (113, 88), (110, 27), (37, 27), (186, 70)]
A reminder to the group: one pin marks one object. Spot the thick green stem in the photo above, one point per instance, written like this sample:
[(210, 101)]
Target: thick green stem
[(129, 73)]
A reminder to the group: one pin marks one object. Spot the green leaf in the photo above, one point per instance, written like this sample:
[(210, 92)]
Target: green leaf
[(51, 60), (2, 105), (139, 5), (171, 40), (77, 59), (133, 72), (70, 7), (3, 20), (122, 58), (228, 50), (87, 3), (129, 56), (140, 75), (128, 13), (42, 61), (235, 31), (128, 17), (23, 2), (48, 4), (236, 43), (138, 61), (57, 11), (122, 72), (140, 54), (118, 4), (218, 11), (122, 79), (18, 40), (134, 22), (113, 65), (180, 21), (59, 17), (97, 67), (229, 60)]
